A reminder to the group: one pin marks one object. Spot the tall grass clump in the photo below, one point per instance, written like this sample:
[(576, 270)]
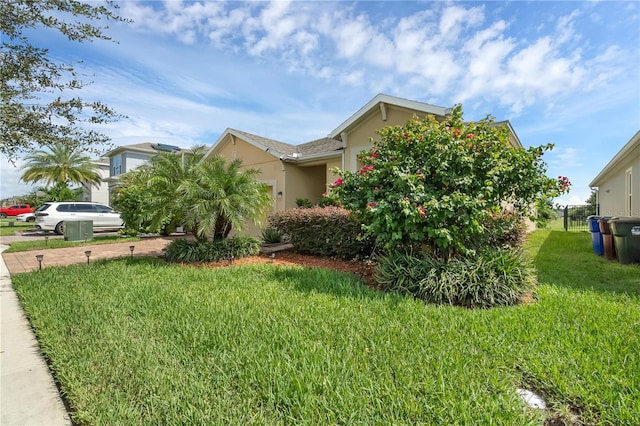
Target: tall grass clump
[(208, 251), (271, 235), (493, 277)]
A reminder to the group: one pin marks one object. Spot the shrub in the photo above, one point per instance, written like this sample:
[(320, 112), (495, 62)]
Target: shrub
[(271, 235), (325, 231), (506, 229), (493, 277), (303, 203), (434, 182), (207, 251), (326, 201)]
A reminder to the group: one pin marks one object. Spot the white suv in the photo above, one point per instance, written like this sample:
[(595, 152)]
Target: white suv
[(51, 216)]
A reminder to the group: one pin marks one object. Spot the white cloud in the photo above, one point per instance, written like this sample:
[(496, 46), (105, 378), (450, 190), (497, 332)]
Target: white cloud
[(447, 50)]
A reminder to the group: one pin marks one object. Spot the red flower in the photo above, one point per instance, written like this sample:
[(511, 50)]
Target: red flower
[(337, 183), (366, 169)]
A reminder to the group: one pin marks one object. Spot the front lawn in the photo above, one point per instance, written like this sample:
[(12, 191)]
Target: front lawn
[(51, 243), (6, 230), (138, 341)]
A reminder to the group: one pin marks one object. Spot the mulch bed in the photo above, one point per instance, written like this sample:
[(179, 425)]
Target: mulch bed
[(364, 269)]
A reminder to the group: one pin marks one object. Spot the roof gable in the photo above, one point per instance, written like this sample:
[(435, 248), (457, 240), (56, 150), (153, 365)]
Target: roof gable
[(386, 99)]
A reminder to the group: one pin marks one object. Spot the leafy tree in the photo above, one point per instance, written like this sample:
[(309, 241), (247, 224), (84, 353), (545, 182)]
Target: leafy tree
[(59, 192), (433, 184), (132, 199), (60, 164), (593, 199), (30, 114)]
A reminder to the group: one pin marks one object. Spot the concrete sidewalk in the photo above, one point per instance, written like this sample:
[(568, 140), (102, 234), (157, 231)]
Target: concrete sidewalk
[(28, 395)]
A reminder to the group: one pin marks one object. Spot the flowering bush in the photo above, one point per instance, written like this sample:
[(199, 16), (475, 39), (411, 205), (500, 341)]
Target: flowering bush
[(434, 184), (325, 231)]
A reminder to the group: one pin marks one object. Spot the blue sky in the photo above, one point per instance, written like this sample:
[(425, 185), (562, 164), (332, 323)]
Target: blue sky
[(566, 72)]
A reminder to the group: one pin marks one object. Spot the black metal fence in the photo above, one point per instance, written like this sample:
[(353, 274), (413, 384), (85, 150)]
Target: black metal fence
[(575, 217)]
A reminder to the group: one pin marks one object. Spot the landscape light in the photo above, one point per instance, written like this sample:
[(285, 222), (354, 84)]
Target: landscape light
[(39, 258)]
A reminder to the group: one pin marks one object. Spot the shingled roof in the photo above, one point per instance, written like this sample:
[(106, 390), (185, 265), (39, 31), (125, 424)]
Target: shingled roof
[(283, 150)]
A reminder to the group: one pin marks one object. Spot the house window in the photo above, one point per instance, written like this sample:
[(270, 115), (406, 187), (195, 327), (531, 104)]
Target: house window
[(627, 193), (116, 166)]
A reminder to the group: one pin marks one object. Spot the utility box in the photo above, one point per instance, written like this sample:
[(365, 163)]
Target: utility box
[(78, 230)]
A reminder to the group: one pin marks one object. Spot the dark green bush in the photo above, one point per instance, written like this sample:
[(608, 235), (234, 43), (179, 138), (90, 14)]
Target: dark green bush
[(506, 229), (493, 277), (206, 251), (303, 203), (325, 231)]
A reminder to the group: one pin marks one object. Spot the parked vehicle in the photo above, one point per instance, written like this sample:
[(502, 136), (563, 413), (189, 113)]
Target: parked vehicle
[(26, 217), (15, 210), (51, 216)]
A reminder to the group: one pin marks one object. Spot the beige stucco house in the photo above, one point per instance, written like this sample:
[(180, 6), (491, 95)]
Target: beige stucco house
[(618, 184), (305, 170)]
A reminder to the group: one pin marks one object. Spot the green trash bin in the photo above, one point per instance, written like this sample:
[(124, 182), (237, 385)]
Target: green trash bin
[(626, 232), (78, 230)]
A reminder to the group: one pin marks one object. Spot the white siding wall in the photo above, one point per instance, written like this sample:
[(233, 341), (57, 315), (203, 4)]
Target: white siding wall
[(612, 192)]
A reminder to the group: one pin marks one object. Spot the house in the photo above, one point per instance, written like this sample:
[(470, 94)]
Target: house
[(305, 171), (618, 184), (98, 193), (129, 157)]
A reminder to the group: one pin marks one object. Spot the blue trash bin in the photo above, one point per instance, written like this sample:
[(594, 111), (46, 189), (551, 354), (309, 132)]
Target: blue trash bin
[(596, 235)]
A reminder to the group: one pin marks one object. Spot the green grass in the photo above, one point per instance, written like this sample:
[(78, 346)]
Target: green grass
[(60, 243), (138, 341), (6, 230)]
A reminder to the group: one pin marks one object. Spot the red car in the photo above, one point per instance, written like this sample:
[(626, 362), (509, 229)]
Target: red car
[(15, 210)]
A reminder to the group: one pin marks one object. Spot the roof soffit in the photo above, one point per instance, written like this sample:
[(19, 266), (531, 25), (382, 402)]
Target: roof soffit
[(627, 151)]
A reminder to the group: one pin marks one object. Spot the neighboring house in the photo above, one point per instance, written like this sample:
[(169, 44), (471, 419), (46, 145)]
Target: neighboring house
[(618, 184), (304, 171), (98, 193), (129, 157)]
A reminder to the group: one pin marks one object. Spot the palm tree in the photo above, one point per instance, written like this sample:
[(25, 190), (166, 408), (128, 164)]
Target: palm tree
[(221, 197), (166, 172), (61, 164)]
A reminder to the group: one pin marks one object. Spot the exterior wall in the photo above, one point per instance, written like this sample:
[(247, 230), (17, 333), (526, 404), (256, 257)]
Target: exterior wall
[(359, 137), (133, 160), (611, 192), (304, 182), (271, 168), (99, 193), (330, 176)]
